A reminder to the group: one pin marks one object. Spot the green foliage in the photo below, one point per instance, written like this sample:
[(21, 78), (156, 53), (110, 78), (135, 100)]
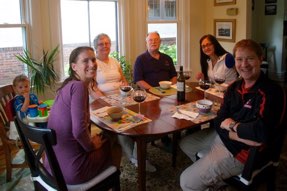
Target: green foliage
[(41, 72), (125, 65), (169, 50)]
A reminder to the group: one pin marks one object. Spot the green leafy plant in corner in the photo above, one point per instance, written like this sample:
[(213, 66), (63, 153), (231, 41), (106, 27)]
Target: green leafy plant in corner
[(41, 72), (125, 65)]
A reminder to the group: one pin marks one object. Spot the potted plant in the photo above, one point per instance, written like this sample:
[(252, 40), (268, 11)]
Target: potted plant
[(125, 65), (41, 72)]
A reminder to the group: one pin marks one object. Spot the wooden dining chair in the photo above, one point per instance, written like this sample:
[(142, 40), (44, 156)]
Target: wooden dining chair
[(6, 116), (46, 138)]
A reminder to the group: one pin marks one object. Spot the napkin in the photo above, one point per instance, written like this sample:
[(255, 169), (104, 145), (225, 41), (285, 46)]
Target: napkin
[(183, 114)]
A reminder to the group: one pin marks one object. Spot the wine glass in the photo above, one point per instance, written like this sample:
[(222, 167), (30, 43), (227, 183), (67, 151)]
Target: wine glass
[(125, 89), (139, 95), (187, 75), (219, 79), (205, 85)]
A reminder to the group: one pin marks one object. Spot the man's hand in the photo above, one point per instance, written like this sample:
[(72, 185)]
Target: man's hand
[(227, 124)]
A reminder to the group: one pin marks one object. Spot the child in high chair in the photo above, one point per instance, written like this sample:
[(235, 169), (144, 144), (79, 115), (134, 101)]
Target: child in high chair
[(24, 98)]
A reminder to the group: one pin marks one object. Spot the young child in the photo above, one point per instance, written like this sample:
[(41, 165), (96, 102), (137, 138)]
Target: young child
[(23, 98)]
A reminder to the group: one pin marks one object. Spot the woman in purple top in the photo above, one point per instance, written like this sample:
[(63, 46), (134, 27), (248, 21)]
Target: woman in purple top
[(81, 157)]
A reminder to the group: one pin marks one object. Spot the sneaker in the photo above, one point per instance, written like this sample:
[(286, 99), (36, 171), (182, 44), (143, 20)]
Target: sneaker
[(148, 166)]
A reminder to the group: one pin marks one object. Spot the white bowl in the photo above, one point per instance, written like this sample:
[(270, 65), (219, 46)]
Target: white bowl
[(165, 84), (204, 105), (115, 112)]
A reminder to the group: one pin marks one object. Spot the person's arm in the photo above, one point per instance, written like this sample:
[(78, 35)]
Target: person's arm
[(173, 80), (94, 92), (26, 102), (123, 78), (199, 76), (231, 126), (80, 116), (143, 84)]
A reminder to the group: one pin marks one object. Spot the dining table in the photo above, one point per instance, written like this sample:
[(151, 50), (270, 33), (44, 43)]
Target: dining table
[(161, 123)]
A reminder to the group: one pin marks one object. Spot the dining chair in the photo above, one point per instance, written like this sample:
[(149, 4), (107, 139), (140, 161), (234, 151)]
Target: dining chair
[(6, 116), (256, 170), (46, 138)]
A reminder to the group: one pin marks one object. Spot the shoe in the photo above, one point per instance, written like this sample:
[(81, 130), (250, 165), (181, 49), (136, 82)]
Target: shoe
[(148, 166)]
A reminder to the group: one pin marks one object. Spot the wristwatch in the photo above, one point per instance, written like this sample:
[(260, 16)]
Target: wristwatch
[(231, 126)]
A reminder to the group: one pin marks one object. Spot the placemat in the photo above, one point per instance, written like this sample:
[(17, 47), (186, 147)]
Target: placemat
[(161, 92), (192, 107), (118, 99), (129, 119), (212, 91)]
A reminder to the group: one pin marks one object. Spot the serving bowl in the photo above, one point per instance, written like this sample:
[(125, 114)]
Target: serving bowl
[(165, 84), (115, 112), (204, 105)]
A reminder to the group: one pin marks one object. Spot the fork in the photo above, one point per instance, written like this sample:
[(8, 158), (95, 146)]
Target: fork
[(160, 90)]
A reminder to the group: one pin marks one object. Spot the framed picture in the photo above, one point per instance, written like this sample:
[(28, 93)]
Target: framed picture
[(224, 29), (224, 2), (270, 1), (270, 9)]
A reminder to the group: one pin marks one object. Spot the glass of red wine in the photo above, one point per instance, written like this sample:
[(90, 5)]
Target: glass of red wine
[(125, 90), (205, 85), (139, 95), (187, 75), (219, 79)]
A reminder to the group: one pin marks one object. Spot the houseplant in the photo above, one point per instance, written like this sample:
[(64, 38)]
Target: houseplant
[(41, 72), (125, 65)]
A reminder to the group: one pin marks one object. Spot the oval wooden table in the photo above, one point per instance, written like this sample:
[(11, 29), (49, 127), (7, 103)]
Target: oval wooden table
[(162, 124)]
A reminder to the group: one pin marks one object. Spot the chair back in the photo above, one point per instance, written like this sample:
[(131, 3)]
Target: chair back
[(46, 138), (7, 94)]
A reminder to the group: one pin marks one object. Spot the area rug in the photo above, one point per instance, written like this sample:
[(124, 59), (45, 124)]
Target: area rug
[(166, 178)]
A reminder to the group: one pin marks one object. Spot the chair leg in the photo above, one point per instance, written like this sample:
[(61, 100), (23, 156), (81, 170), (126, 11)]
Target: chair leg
[(8, 166)]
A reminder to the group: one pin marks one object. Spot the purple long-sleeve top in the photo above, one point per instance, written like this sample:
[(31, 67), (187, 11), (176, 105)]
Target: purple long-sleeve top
[(75, 151)]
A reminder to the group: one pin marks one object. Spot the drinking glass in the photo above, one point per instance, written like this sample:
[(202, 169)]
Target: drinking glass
[(139, 95), (205, 85), (219, 79), (187, 75), (125, 90)]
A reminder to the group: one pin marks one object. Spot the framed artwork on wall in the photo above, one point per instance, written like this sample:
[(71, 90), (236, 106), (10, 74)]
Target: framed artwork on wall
[(224, 2), (270, 1), (224, 29), (270, 9)]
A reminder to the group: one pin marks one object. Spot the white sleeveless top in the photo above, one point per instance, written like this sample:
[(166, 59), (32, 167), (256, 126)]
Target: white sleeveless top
[(108, 76), (220, 67)]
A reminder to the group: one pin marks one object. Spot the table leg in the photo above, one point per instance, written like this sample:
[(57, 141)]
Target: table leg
[(141, 156)]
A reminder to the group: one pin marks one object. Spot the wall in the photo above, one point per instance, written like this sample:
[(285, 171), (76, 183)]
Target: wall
[(269, 29), (203, 14)]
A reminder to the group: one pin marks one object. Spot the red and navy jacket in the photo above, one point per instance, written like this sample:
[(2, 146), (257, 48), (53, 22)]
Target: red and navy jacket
[(257, 109)]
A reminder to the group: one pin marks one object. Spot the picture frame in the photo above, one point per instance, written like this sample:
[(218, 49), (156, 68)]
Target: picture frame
[(224, 2), (224, 29), (270, 1), (270, 9)]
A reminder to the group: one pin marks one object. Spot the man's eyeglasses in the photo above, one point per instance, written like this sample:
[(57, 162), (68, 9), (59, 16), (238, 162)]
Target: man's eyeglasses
[(203, 46), (104, 44)]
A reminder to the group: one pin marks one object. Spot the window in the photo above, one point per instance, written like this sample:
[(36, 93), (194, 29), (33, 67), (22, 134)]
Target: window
[(89, 19), (162, 18), (13, 39)]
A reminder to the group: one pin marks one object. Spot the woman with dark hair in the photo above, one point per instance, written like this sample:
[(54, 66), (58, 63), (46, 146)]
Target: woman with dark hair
[(214, 59), (81, 157)]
